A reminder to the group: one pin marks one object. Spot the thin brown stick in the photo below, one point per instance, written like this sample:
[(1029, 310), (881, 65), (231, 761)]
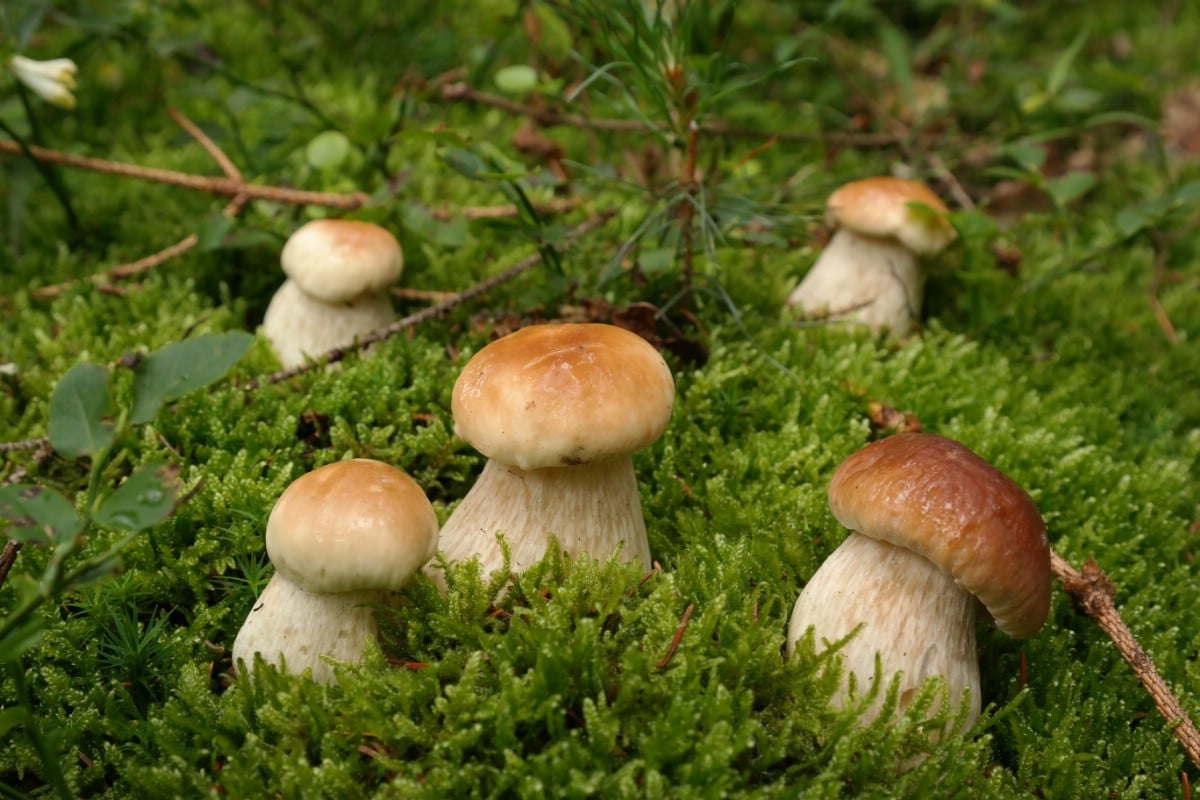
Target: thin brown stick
[(953, 185), (11, 548), (1093, 593), (122, 271), (222, 186), (1156, 306), (557, 205), (678, 637), (432, 312), (687, 208), (548, 118), (216, 153)]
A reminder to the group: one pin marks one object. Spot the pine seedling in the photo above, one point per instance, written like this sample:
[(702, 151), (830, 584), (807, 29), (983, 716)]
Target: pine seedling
[(665, 64)]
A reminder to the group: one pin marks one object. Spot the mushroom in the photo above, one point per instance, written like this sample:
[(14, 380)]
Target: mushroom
[(557, 409), (341, 538), (868, 274), (338, 272), (935, 531)]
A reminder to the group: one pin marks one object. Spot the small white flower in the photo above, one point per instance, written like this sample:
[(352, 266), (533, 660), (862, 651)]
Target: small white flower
[(51, 80)]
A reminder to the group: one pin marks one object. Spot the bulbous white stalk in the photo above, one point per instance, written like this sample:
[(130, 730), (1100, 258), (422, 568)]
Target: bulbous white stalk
[(862, 279), (913, 615), (589, 508), (296, 629), (298, 325)]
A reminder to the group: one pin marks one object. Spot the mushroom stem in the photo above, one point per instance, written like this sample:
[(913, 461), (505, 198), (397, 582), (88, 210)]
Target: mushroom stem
[(300, 326), (864, 279), (590, 508), (299, 629), (913, 615)]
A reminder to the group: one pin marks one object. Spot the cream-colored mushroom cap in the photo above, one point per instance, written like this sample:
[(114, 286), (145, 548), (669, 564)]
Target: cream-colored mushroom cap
[(936, 498), (881, 207), (335, 260), (351, 525), (563, 394)]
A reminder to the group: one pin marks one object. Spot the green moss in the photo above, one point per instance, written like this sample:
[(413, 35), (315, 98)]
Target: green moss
[(592, 679)]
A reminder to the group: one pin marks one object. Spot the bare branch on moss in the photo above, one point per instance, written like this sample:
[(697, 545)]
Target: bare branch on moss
[(1093, 593), (123, 271), (222, 186), (462, 92)]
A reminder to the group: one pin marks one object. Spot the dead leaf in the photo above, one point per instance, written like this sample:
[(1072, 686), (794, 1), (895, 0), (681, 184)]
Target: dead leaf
[(1181, 122)]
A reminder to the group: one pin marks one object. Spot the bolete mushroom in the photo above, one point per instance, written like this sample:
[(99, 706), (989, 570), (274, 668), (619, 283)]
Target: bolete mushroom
[(342, 538), (935, 531), (558, 409), (338, 272), (868, 274)]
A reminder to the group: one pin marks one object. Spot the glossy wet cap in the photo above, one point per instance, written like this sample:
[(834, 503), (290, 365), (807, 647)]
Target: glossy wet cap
[(933, 496)]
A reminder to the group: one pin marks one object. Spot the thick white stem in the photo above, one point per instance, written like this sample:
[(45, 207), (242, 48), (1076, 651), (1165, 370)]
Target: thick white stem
[(298, 629), (913, 615), (299, 326), (590, 508), (864, 280)]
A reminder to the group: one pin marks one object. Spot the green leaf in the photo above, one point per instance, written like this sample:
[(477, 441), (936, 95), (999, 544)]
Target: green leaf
[(38, 514), (212, 231), (327, 149), (182, 367), (894, 45), (10, 717), (516, 79), (1062, 67), (77, 410), (17, 640), (145, 498), (1188, 194), (1069, 187), (420, 220), (465, 162)]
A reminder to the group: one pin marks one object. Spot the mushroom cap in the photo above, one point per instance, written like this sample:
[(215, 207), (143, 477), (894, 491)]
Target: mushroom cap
[(557, 395), (335, 260), (880, 207), (351, 525), (934, 497)]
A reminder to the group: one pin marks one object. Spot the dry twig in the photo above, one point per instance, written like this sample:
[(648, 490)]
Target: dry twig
[(1093, 593), (222, 186), (678, 637)]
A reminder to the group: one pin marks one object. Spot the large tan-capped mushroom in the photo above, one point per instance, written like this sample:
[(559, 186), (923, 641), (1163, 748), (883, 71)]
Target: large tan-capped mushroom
[(935, 532), (338, 273), (869, 273), (557, 409), (342, 538)]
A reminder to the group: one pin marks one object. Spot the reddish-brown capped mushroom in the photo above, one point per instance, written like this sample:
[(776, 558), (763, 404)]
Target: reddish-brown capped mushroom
[(935, 532)]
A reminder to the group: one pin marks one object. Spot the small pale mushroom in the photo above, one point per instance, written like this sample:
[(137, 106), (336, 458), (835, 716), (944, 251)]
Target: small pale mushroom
[(338, 274), (936, 531), (342, 538), (869, 273), (558, 409)]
